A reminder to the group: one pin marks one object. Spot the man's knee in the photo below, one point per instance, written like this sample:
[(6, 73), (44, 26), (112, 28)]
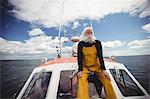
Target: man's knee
[(83, 79)]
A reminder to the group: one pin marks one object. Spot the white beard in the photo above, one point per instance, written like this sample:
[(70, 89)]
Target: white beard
[(86, 39)]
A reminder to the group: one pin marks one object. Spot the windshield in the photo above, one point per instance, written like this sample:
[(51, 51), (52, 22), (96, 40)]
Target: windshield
[(37, 87), (126, 85), (68, 86)]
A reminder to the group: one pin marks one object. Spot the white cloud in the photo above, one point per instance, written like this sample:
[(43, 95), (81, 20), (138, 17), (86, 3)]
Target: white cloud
[(113, 44), (9, 46), (143, 8), (36, 32), (148, 37), (119, 48), (146, 28), (76, 24), (48, 12), (41, 46), (85, 24), (146, 12), (126, 52), (35, 45), (136, 44)]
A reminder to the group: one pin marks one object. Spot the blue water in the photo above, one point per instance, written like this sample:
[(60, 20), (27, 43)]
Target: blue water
[(139, 66), (14, 73)]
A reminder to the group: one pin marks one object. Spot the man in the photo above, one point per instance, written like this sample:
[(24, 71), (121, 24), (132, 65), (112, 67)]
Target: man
[(90, 59), (92, 78)]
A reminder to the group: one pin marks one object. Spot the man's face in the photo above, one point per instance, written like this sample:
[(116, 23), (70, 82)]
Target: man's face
[(88, 33)]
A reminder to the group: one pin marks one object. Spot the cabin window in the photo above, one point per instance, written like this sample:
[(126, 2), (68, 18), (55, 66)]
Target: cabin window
[(38, 86), (124, 82), (68, 86)]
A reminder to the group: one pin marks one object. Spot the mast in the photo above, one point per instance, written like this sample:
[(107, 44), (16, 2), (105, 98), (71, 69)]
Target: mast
[(88, 12), (59, 33)]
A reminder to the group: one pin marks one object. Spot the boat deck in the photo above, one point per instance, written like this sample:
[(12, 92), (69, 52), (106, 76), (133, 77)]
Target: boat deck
[(68, 60)]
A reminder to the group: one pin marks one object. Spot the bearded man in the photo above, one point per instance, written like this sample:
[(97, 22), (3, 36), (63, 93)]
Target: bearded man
[(90, 59)]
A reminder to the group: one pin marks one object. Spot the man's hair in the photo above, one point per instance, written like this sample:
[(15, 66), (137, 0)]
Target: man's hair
[(83, 36)]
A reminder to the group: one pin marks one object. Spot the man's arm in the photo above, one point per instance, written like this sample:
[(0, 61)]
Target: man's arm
[(100, 54), (80, 56)]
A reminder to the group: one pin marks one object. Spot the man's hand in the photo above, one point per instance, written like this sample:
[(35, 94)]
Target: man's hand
[(105, 74), (79, 74)]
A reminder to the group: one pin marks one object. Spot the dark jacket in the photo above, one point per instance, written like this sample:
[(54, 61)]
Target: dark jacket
[(99, 53)]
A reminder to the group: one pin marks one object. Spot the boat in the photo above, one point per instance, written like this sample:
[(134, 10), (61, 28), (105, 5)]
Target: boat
[(56, 79)]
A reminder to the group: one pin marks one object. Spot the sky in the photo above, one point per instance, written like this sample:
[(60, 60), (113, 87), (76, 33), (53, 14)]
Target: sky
[(29, 29)]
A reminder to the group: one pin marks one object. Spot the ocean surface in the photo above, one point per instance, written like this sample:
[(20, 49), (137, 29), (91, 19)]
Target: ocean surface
[(14, 73)]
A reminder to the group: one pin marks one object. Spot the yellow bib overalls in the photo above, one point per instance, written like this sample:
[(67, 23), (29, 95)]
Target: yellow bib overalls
[(91, 64)]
